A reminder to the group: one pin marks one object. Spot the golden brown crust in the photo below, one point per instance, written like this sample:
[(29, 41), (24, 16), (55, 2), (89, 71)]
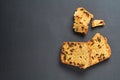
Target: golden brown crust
[(81, 20), (108, 47)]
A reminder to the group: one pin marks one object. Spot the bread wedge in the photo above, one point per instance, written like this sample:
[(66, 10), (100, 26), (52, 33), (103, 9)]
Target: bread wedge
[(75, 54), (97, 23), (81, 20), (99, 49)]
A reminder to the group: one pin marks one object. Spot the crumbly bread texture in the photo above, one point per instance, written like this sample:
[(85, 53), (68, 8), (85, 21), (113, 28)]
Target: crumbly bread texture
[(75, 54), (85, 54), (81, 20), (96, 23), (99, 49)]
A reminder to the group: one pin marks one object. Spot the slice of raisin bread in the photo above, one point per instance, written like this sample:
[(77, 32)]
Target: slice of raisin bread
[(75, 54), (81, 20), (99, 49), (96, 23), (85, 54)]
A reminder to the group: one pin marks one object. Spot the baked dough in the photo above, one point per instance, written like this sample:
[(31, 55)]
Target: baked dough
[(96, 23), (85, 54), (81, 20)]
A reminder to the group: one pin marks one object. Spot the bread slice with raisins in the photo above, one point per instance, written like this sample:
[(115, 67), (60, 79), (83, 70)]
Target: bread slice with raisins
[(99, 49), (97, 23), (85, 54), (81, 20), (75, 54)]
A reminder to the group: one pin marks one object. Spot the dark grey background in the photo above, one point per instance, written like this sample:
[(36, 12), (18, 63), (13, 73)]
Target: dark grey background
[(32, 32)]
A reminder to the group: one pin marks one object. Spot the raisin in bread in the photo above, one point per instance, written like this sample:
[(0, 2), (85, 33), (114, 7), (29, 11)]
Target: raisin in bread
[(96, 23), (81, 20), (99, 49), (75, 54)]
